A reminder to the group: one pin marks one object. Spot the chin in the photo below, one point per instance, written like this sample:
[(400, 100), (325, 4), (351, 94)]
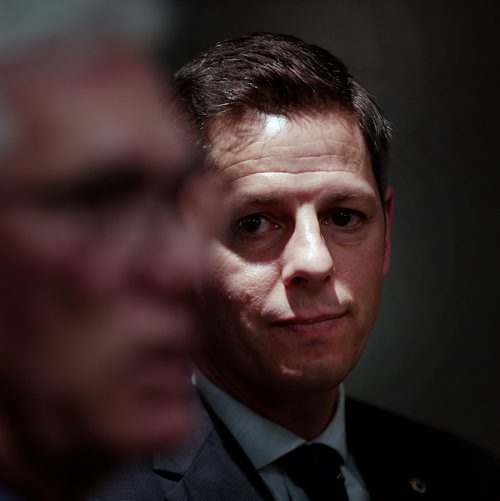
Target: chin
[(145, 430), (319, 376)]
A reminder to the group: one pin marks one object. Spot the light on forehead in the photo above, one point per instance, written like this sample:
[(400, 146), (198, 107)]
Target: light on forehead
[(274, 124)]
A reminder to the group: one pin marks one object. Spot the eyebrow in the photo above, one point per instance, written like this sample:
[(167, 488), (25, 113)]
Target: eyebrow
[(350, 195), (273, 201), (269, 200), (264, 200)]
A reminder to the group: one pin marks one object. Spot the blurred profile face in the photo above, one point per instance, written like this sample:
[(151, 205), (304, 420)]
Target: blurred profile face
[(96, 269), (296, 277)]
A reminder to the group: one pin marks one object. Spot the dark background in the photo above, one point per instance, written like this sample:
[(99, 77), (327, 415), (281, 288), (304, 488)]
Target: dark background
[(434, 68)]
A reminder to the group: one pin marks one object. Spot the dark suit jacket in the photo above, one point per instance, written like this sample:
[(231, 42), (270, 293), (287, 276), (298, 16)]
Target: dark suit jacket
[(399, 460)]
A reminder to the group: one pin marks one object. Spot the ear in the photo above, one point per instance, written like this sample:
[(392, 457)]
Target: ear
[(388, 224)]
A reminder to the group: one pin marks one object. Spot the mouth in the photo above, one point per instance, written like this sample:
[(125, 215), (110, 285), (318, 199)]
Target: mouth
[(319, 325), (157, 359)]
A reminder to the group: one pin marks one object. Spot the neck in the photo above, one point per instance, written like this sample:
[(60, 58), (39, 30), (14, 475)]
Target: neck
[(304, 412), (306, 416)]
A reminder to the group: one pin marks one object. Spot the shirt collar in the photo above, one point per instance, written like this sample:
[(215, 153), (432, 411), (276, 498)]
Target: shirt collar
[(262, 440)]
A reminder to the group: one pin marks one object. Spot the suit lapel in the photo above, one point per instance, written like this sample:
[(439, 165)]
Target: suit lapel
[(211, 466)]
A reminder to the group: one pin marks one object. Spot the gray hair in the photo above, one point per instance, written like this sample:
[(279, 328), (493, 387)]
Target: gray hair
[(27, 26)]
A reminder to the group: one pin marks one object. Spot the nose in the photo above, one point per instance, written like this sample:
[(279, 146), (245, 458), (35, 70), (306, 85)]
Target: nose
[(306, 257), (148, 250)]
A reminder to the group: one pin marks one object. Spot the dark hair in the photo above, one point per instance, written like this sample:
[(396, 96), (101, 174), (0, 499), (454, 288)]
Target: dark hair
[(279, 75)]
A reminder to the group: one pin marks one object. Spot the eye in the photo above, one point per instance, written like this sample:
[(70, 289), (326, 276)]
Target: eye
[(96, 191), (345, 218), (254, 225)]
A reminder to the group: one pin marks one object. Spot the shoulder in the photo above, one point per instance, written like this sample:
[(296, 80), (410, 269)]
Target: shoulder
[(210, 465), (404, 447), (160, 477), (130, 483), (379, 425)]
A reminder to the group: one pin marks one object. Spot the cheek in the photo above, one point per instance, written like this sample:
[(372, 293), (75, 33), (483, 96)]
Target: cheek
[(362, 263), (359, 274), (43, 288), (241, 286), (51, 324)]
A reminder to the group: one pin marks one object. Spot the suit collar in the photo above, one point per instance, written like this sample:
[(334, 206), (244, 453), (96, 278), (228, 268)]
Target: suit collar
[(214, 459)]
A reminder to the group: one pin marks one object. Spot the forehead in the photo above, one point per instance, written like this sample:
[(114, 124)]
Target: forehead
[(110, 108), (329, 143)]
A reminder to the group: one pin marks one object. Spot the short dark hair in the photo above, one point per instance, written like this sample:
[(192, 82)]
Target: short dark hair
[(275, 74)]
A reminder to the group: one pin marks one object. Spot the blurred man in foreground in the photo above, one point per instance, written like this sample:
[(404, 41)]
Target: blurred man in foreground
[(96, 268), (295, 287)]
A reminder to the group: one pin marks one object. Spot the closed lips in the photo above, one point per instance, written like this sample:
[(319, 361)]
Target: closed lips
[(310, 320)]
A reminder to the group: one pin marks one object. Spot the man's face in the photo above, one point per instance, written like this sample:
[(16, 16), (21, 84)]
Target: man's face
[(296, 276), (96, 269)]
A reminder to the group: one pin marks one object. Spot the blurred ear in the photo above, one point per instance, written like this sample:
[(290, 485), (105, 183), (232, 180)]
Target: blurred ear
[(388, 224)]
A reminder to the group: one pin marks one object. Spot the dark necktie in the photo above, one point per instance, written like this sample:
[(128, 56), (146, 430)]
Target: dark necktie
[(316, 469)]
